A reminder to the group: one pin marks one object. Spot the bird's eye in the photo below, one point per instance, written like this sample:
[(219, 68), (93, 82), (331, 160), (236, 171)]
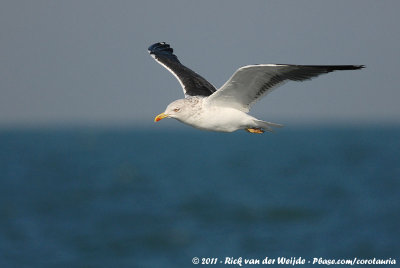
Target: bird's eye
[(176, 110)]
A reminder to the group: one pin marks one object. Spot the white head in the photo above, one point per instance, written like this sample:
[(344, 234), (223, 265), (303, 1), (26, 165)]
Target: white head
[(179, 109)]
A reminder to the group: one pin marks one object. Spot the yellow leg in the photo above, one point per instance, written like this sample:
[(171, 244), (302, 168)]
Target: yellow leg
[(255, 130)]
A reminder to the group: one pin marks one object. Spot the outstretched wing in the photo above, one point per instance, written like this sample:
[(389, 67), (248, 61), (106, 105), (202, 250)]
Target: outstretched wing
[(250, 83), (192, 83)]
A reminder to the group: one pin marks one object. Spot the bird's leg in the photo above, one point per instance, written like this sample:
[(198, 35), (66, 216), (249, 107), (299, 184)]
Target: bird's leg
[(255, 130)]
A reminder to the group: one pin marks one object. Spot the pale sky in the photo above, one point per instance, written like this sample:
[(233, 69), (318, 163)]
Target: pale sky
[(86, 62)]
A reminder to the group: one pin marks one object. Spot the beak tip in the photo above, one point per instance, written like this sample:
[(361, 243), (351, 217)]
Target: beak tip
[(159, 117)]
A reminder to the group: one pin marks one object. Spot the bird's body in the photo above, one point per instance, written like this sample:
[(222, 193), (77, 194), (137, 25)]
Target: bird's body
[(225, 109), (214, 118)]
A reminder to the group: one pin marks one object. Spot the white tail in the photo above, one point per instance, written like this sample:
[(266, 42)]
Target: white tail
[(268, 126)]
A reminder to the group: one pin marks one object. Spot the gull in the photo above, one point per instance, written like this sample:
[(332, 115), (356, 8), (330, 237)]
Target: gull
[(226, 109)]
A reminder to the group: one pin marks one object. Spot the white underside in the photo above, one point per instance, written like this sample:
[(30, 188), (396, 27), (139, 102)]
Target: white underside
[(220, 119)]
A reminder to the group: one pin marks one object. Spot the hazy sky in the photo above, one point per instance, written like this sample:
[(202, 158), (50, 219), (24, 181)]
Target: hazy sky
[(85, 62)]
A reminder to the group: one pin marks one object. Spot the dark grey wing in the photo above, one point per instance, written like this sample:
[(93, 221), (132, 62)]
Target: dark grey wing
[(192, 83), (249, 83)]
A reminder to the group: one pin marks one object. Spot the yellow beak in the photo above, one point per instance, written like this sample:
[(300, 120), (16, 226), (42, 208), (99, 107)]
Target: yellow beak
[(160, 116)]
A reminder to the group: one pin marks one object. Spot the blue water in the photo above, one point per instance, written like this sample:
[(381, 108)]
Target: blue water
[(154, 198)]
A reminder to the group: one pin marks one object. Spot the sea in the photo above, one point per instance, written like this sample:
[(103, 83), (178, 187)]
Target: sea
[(163, 197)]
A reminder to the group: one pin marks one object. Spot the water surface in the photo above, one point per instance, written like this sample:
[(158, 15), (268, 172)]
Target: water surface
[(144, 198)]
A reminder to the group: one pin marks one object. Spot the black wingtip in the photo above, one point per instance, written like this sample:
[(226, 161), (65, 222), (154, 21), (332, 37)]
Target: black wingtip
[(358, 67), (349, 67), (162, 49), (160, 46)]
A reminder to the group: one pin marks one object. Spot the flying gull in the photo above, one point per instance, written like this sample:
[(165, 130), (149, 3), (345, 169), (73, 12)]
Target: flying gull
[(226, 109)]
